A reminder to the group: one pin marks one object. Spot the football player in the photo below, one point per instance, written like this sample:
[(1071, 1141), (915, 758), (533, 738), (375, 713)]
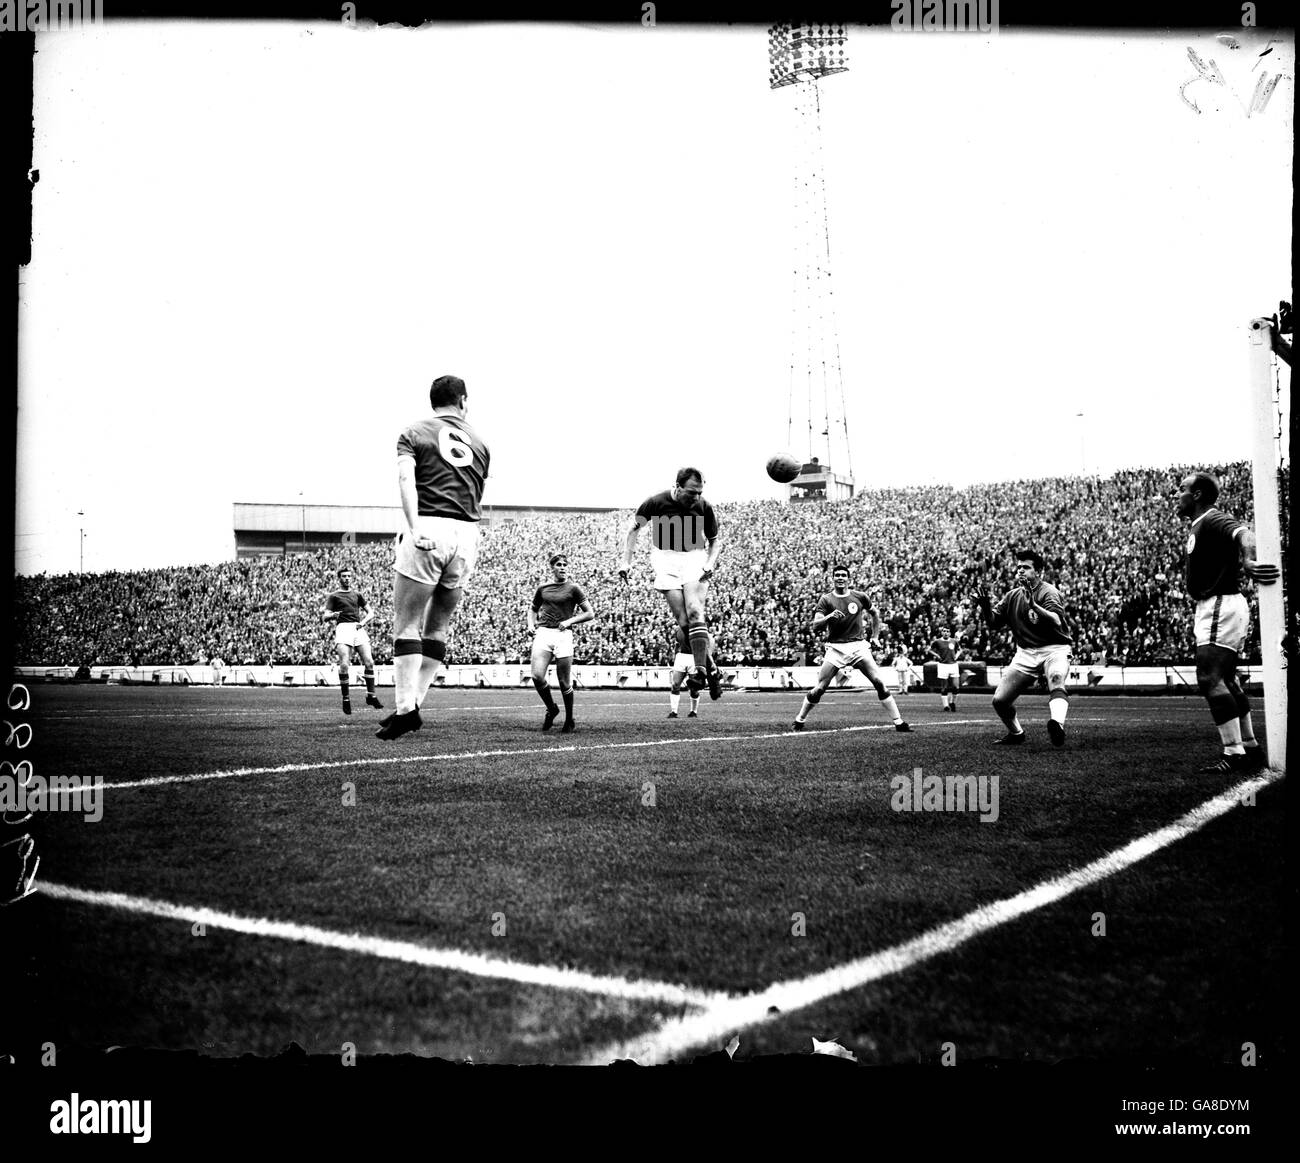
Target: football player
[(1036, 617), (348, 610), (842, 613), (1220, 552), (943, 650), (684, 555), (442, 468), (557, 607)]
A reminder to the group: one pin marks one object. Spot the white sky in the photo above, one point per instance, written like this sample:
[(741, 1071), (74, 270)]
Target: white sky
[(255, 246)]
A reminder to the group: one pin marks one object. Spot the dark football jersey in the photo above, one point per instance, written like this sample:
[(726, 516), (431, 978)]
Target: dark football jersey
[(556, 601), (856, 608), (1213, 556), (451, 466), (680, 526), (349, 603), (944, 649), (1028, 627)]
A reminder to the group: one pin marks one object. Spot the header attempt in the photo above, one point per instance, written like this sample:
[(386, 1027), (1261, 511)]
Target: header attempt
[(804, 51)]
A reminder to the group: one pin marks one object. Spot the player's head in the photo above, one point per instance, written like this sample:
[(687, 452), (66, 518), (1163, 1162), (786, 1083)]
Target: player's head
[(690, 484), (1029, 566), (559, 566), (1197, 492), (448, 392), (840, 577), (345, 577)]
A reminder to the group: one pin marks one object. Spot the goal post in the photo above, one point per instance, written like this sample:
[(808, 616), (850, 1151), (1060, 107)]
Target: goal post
[(1269, 451)]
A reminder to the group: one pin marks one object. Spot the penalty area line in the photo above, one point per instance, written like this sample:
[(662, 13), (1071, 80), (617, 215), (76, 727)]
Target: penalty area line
[(380, 761), (715, 1025), (454, 960)]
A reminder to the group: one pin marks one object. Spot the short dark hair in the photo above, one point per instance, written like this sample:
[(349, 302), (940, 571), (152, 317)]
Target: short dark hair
[(1207, 484), (685, 474), (446, 390), (840, 569), (344, 569), (1030, 555)]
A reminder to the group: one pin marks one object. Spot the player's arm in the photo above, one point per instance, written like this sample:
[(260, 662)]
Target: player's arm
[(532, 611), (1056, 617), (366, 614), (713, 547), (410, 499), (1262, 572), (331, 611), (629, 545), (582, 613), (995, 619), (825, 614)]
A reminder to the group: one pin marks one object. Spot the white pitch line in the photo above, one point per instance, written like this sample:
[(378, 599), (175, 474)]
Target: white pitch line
[(685, 740), (450, 959), (718, 1022)]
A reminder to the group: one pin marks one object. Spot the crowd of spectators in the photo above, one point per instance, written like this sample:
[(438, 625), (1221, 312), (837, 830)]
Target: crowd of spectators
[(1114, 549)]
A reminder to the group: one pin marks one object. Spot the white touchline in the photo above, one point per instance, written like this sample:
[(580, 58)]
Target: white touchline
[(718, 1022), (405, 951), (380, 761)]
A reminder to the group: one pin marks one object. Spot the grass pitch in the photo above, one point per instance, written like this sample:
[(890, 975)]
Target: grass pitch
[(266, 872)]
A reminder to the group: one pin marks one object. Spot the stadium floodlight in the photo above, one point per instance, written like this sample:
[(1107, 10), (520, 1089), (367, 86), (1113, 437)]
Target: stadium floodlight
[(799, 51), (799, 56), (1271, 453)]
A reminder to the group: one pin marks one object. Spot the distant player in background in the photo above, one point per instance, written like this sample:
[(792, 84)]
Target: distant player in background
[(557, 607), (1220, 552), (944, 651), (684, 554), (843, 613), (1036, 617), (348, 610), (442, 468), (683, 671)]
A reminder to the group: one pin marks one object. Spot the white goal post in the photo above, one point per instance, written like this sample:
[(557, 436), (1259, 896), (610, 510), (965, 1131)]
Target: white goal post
[(1269, 448)]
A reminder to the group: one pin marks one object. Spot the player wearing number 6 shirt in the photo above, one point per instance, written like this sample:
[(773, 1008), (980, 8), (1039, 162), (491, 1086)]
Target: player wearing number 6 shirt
[(1036, 617), (843, 612), (684, 553), (557, 607), (1220, 550), (442, 466)]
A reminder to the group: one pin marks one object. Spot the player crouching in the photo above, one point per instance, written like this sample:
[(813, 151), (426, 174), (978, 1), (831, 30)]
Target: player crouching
[(842, 612), (683, 671), (557, 607)]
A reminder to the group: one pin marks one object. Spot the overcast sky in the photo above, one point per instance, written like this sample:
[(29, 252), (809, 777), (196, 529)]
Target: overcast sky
[(255, 246)]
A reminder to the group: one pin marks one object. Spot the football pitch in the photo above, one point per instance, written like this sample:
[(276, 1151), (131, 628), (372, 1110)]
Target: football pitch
[(266, 871)]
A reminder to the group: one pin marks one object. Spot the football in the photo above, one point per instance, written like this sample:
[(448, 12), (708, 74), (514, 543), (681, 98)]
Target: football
[(783, 468)]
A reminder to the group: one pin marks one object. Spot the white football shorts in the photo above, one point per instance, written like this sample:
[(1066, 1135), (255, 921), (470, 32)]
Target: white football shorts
[(558, 642), (842, 654), (1223, 620), (451, 560), (948, 670), (350, 634), (683, 663), (1051, 661), (673, 568)]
